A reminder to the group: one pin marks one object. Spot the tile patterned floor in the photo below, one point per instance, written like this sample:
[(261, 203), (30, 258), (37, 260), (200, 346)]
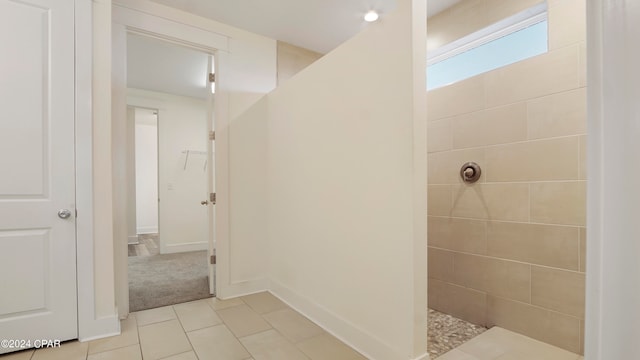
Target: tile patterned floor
[(256, 327)]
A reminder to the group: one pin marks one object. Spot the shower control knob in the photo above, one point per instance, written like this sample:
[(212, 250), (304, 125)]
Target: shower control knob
[(470, 172)]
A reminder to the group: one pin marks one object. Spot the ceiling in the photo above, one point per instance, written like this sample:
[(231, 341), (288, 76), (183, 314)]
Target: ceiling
[(318, 25), (164, 67)]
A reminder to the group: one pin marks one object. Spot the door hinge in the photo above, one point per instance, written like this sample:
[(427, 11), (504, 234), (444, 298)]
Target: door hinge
[(213, 259), (212, 198), (212, 135), (212, 77)]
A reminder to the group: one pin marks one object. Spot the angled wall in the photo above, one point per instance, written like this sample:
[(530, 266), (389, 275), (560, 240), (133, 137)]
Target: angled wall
[(343, 147)]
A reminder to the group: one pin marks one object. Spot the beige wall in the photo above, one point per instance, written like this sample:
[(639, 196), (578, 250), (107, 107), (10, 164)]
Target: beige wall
[(292, 59), (509, 250), (339, 190)]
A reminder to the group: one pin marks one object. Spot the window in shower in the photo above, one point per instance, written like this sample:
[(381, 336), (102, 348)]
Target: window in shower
[(516, 38)]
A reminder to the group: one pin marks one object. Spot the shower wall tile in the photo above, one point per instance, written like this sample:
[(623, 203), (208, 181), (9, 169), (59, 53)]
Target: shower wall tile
[(508, 279), (455, 22), (444, 167), (516, 239), (581, 338), (463, 235), (499, 125), (439, 200), (549, 245), (582, 63), (507, 201), (468, 271), (583, 157), (554, 3), (542, 75), (545, 325), (499, 9), (498, 277), (583, 249), (440, 264), (459, 98), (559, 114), (553, 159), (558, 290), (461, 302), (559, 202), (567, 23), (439, 135)]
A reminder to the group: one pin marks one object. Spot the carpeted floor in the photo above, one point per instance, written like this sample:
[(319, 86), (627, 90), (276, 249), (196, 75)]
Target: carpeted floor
[(168, 279)]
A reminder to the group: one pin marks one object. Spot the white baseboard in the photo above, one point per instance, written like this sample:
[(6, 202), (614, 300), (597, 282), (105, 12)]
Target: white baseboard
[(147, 230), (99, 328), (244, 288), (133, 239), (367, 344), (178, 248)]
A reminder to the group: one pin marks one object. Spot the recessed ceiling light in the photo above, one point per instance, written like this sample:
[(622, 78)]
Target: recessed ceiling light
[(371, 16)]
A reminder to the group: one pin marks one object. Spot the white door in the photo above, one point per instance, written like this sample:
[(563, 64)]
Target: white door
[(37, 246)]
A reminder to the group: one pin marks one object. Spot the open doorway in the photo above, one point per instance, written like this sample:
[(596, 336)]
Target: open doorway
[(169, 99), (145, 242)]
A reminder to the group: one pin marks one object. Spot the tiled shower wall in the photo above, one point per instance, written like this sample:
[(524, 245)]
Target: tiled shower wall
[(509, 250)]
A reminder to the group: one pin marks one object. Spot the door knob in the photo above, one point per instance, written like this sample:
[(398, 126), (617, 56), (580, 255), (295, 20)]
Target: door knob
[(204, 202), (64, 213)]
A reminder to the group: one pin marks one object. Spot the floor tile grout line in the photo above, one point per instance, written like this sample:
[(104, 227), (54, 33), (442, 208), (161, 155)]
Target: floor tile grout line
[(186, 334), (281, 334)]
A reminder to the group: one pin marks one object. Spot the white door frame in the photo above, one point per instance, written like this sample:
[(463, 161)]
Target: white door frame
[(130, 20), (613, 196), (91, 323)]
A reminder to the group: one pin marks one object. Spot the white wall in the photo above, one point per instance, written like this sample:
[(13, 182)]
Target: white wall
[(248, 245), (181, 181), (103, 250), (345, 188), (245, 70), (613, 197), (121, 161), (132, 228), (97, 313), (146, 171)]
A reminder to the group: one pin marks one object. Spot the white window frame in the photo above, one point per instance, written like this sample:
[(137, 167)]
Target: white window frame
[(531, 16)]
